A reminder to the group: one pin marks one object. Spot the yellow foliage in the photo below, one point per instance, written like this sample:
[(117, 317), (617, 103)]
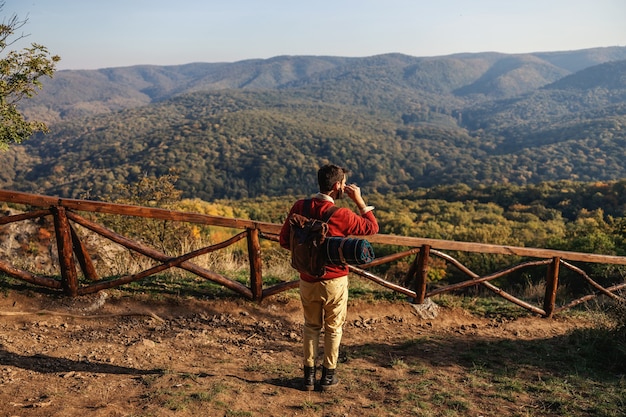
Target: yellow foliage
[(196, 205), (194, 233)]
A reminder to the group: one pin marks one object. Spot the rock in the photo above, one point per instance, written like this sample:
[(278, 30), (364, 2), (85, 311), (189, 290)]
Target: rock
[(148, 343), (427, 310)]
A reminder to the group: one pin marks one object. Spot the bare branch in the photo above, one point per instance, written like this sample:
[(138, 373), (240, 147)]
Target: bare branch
[(9, 27)]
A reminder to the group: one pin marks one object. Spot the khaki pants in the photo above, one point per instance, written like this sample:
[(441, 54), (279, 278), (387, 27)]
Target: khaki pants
[(325, 304)]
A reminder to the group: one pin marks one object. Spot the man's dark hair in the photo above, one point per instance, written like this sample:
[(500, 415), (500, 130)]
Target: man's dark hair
[(328, 175)]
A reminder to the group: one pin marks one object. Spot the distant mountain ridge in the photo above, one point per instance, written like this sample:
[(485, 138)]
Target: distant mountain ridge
[(83, 92), (261, 127)]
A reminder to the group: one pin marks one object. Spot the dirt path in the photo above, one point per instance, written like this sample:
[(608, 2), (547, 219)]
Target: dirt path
[(116, 355)]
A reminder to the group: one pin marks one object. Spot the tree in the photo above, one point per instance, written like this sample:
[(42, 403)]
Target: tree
[(20, 72)]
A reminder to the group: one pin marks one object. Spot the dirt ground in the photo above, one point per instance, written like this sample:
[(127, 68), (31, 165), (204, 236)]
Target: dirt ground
[(113, 354)]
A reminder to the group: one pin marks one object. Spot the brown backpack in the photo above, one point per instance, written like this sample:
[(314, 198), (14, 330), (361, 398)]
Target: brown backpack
[(306, 238)]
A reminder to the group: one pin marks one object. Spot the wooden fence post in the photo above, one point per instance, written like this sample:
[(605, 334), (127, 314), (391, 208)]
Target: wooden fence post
[(421, 275), (552, 282), (254, 255), (66, 254), (84, 259)]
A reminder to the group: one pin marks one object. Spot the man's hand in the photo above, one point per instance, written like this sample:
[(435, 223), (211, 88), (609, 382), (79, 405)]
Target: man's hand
[(354, 192)]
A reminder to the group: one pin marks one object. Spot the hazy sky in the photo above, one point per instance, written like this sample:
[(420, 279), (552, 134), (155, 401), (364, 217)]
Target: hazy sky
[(90, 34)]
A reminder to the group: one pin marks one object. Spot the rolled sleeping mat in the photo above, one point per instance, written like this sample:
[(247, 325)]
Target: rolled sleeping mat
[(348, 250)]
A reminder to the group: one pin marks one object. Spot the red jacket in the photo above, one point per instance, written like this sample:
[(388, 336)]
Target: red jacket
[(344, 222)]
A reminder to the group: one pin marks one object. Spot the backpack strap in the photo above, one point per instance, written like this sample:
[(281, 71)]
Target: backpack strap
[(307, 207), (328, 213)]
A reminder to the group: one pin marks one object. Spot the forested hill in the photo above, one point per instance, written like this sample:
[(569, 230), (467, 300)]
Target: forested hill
[(78, 93), (262, 127)]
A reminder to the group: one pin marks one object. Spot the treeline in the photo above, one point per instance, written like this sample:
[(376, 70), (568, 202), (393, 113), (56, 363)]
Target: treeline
[(240, 144), (564, 215), (398, 123)]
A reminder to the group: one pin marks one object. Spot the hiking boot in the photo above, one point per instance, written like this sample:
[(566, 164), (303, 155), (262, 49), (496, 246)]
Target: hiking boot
[(329, 379), (309, 378)]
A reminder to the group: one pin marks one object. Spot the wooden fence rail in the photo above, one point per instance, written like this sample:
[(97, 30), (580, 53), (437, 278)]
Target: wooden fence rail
[(73, 254)]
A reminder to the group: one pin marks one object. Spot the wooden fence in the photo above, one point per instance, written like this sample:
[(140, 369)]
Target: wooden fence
[(73, 254)]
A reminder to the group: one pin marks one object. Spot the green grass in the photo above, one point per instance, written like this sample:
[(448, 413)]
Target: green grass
[(582, 373)]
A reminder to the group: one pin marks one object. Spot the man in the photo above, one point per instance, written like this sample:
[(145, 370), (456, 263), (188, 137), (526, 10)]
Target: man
[(325, 299)]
